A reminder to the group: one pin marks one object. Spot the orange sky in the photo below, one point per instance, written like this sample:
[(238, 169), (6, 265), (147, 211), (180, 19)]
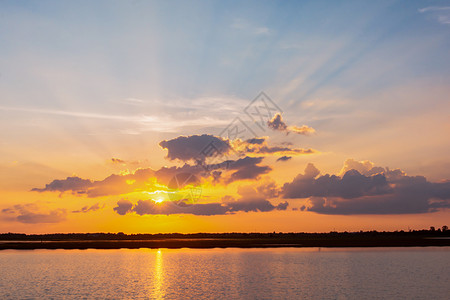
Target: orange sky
[(357, 111)]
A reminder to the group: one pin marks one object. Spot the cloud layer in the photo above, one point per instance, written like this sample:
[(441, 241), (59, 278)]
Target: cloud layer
[(251, 201), (30, 214), (374, 190)]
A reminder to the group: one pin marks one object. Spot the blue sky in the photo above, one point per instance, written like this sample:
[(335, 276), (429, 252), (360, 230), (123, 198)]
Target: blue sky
[(114, 64), (208, 48)]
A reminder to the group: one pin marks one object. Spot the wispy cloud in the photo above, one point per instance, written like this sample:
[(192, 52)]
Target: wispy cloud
[(65, 113), (440, 13), (145, 122), (244, 25), (434, 8)]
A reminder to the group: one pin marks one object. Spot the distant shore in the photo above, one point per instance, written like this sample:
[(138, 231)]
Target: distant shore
[(422, 238)]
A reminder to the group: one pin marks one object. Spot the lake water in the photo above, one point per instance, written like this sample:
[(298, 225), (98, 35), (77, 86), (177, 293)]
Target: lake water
[(351, 273)]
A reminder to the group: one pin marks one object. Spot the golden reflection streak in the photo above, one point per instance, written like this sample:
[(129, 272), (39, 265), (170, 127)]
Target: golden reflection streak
[(158, 276)]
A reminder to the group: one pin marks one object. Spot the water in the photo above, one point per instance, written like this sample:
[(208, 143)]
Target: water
[(374, 273)]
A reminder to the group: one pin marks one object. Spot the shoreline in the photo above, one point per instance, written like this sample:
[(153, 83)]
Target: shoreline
[(221, 243)]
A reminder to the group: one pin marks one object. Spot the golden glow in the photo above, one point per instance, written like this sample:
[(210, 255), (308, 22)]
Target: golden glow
[(158, 200)]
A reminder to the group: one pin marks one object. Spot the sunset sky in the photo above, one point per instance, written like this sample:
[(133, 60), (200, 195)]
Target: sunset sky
[(343, 110)]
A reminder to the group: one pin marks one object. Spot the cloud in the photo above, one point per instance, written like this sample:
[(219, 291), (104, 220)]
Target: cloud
[(268, 189), (111, 185), (30, 214), (54, 216), (255, 200), (88, 208), (439, 13), (247, 168), (352, 184), (73, 183), (245, 26), (304, 130), (277, 123), (166, 174), (257, 141), (149, 207), (364, 167), (195, 147), (255, 204), (250, 201), (284, 158), (260, 147), (122, 162), (371, 190), (140, 123), (284, 151), (123, 207), (117, 161)]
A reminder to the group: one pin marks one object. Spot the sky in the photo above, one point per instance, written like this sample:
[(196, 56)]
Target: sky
[(121, 116)]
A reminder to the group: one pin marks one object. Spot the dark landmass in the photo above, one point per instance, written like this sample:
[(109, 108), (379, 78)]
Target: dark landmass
[(420, 238)]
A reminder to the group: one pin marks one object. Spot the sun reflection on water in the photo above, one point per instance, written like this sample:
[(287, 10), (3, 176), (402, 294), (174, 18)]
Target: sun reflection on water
[(158, 292)]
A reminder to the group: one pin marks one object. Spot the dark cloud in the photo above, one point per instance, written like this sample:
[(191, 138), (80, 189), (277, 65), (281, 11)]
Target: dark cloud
[(88, 208), (380, 191), (69, 184), (30, 214), (256, 141), (149, 207), (247, 168), (123, 207), (277, 123), (284, 158), (262, 148), (255, 204), (351, 185), (165, 174), (117, 161), (284, 150), (195, 147), (111, 185)]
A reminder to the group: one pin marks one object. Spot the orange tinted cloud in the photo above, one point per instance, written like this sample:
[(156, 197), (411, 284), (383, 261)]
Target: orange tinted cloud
[(277, 123)]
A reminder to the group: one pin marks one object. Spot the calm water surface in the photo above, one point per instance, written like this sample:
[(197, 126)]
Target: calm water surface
[(374, 273)]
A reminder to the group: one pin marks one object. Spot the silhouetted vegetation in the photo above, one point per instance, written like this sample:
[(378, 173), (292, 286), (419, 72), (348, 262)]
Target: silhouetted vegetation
[(431, 237)]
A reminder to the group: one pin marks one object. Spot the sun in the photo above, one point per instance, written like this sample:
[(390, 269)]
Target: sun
[(158, 200)]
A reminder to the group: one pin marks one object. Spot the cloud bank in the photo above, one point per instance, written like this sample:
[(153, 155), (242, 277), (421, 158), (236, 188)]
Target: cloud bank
[(30, 214), (371, 190)]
